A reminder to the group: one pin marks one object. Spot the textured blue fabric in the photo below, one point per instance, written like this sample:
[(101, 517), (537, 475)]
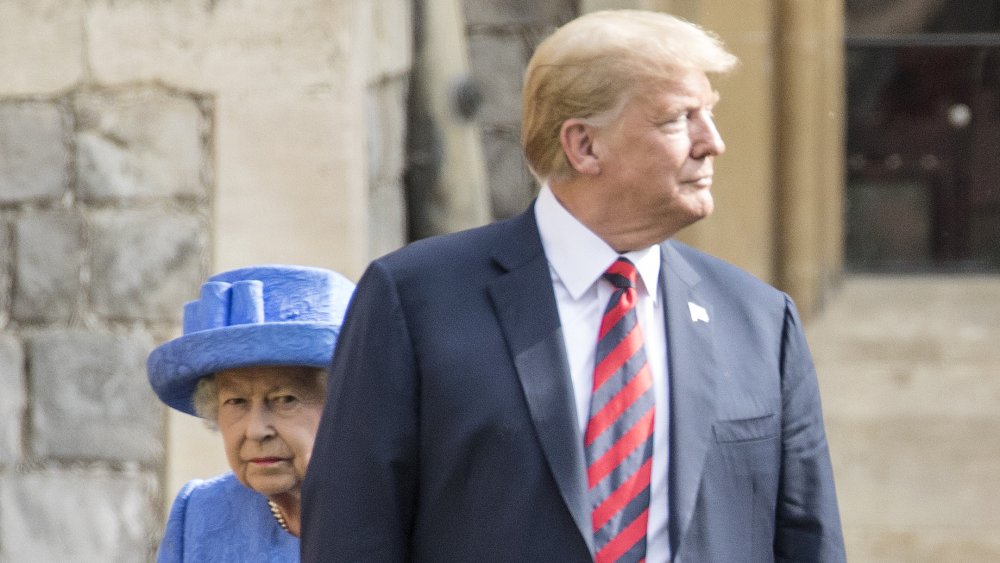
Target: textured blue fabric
[(266, 315), (222, 520)]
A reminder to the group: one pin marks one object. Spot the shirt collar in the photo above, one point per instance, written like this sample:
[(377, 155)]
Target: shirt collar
[(578, 256)]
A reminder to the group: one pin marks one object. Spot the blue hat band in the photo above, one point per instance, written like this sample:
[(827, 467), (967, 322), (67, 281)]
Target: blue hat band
[(224, 304)]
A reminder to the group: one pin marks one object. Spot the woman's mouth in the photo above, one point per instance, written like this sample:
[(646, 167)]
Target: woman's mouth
[(266, 461)]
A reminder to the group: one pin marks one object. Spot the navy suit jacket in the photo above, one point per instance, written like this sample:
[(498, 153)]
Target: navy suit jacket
[(450, 434)]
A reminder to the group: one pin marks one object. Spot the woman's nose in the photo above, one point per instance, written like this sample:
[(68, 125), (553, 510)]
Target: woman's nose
[(259, 425)]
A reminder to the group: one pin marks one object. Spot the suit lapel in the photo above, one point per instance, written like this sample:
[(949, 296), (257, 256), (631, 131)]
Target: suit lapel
[(526, 308), (692, 386)]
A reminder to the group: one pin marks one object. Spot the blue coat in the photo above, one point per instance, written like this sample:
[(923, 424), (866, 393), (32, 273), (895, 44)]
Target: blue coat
[(222, 520)]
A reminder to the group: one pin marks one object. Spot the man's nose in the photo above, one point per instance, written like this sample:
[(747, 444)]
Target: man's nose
[(707, 141)]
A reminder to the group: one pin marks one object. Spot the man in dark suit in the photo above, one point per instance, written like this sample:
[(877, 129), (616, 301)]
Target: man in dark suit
[(571, 385)]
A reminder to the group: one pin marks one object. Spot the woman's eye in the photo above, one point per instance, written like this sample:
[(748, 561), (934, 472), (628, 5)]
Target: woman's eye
[(285, 400), (234, 401)]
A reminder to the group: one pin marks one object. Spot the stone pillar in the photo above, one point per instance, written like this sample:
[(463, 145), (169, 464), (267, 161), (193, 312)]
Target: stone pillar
[(502, 34), (389, 56), (800, 172), (447, 180)]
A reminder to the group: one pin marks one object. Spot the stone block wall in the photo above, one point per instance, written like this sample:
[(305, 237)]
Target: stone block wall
[(144, 145), (76, 514), (502, 35), (104, 230)]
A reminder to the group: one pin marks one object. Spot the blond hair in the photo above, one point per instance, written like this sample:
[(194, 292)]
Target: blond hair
[(590, 67)]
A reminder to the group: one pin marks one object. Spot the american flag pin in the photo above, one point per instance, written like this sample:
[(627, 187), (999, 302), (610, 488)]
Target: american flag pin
[(698, 313)]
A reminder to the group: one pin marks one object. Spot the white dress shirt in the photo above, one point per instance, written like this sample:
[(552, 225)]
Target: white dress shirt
[(577, 258)]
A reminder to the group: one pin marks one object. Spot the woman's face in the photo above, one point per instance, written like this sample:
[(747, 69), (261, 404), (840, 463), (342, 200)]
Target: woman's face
[(268, 417)]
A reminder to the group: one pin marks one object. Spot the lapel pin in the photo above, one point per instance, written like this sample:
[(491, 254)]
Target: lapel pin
[(698, 313)]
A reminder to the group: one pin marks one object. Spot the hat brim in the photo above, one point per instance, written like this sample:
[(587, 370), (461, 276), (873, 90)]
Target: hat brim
[(175, 367)]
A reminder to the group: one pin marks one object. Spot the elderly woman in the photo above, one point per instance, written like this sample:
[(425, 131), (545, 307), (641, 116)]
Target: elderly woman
[(251, 362)]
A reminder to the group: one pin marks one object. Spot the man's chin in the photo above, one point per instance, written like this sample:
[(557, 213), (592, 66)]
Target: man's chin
[(701, 205)]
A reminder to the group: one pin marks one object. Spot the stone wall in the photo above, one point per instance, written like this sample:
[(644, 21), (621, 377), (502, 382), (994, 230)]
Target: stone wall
[(103, 229), (144, 145)]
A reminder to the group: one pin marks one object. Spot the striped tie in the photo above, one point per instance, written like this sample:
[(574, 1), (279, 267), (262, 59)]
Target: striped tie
[(619, 437)]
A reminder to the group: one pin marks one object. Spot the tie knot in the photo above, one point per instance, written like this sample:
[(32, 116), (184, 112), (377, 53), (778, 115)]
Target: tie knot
[(622, 273)]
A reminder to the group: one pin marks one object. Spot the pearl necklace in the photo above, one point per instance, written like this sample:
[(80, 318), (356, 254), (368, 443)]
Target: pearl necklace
[(278, 516)]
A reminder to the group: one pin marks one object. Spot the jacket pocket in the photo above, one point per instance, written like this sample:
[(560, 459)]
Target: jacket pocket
[(747, 429)]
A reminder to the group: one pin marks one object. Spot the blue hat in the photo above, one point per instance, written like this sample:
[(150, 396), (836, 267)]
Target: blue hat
[(258, 316)]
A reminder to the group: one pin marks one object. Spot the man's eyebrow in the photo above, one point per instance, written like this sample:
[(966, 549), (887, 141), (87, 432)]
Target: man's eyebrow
[(694, 101)]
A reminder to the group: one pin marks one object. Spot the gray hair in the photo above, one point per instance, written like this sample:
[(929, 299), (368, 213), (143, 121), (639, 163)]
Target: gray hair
[(206, 396)]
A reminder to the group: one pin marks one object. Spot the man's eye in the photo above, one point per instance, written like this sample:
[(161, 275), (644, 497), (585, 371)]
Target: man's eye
[(675, 123)]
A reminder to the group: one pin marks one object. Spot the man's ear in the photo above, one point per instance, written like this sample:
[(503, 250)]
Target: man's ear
[(577, 139)]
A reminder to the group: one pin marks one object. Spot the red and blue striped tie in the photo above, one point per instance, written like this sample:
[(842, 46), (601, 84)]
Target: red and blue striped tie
[(619, 437)]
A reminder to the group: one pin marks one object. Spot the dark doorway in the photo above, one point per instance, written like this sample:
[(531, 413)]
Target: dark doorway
[(923, 135)]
